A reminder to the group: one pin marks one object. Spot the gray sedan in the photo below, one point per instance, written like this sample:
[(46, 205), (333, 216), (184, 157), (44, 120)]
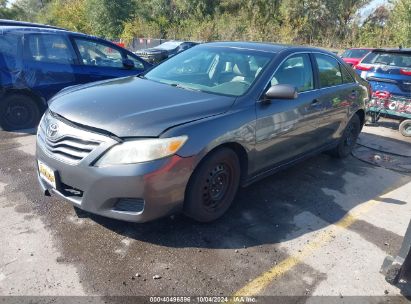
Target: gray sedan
[(187, 134)]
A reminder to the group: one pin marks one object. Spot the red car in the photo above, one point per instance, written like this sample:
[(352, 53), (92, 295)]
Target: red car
[(354, 56)]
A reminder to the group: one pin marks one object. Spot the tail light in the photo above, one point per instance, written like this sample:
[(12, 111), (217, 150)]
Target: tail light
[(382, 94), (363, 67), (405, 72)]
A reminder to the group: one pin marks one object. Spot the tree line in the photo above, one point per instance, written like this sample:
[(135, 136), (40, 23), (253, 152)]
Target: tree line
[(327, 23)]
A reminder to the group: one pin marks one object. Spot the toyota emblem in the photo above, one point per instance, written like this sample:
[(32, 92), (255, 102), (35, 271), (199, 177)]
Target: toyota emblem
[(52, 130)]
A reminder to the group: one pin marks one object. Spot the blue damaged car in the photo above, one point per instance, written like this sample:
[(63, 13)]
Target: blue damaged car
[(38, 61)]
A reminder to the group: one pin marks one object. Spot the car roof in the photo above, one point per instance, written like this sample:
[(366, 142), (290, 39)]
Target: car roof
[(7, 22), (361, 48), (394, 50), (265, 46), (39, 29)]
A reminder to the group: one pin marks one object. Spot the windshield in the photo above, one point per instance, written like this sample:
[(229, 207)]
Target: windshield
[(216, 70), (389, 58), (354, 53), (169, 45)]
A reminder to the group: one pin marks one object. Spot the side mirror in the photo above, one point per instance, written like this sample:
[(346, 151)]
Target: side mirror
[(128, 63), (281, 91)]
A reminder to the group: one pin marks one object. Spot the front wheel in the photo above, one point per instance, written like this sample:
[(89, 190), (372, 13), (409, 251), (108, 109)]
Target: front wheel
[(405, 128), (213, 186), (18, 112), (348, 139)]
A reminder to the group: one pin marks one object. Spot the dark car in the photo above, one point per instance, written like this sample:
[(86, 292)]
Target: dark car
[(389, 73), (185, 135), (36, 63), (164, 50), (353, 56)]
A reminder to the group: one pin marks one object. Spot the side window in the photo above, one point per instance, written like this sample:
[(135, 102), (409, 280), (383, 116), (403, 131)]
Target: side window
[(346, 76), (99, 54), (49, 48), (329, 71), (137, 63), (296, 71), (9, 44)]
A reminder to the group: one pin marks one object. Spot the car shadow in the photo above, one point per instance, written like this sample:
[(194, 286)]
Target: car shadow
[(310, 196), (405, 289), (18, 133), (385, 123), (374, 139)]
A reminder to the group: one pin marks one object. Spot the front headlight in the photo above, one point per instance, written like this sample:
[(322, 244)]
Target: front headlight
[(142, 150)]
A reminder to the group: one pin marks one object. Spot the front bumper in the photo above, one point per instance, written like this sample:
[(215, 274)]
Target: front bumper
[(158, 186)]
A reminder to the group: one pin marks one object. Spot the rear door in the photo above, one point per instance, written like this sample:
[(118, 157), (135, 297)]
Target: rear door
[(287, 128), (49, 63), (103, 60), (337, 91)]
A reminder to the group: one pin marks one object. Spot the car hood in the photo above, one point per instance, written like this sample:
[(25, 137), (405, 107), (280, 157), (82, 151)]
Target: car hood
[(133, 107)]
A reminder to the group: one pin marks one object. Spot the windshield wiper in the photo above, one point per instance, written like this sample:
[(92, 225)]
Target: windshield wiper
[(177, 85), (141, 76)]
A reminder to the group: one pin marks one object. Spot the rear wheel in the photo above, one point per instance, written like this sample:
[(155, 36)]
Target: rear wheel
[(18, 112), (405, 128), (213, 186), (348, 139)]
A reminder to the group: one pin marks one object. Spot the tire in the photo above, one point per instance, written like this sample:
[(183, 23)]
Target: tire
[(349, 138), (18, 112), (405, 128), (213, 186)]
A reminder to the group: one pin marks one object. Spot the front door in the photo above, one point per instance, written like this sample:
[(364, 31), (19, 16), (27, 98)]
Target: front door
[(100, 61), (287, 128)]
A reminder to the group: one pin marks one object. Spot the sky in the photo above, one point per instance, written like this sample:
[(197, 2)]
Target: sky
[(368, 9)]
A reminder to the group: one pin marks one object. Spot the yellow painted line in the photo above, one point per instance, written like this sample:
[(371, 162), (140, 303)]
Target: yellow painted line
[(325, 236)]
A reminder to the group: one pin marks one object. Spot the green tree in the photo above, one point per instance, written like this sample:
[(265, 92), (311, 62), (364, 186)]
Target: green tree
[(8, 11), (31, 9), (400, 23), (107, 17), (70, 14)]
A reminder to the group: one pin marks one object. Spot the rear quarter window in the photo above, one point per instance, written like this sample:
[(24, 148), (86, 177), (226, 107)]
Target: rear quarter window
[(346, 76)]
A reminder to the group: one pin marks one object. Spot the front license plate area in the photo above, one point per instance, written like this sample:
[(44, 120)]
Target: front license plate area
[(47, 174)]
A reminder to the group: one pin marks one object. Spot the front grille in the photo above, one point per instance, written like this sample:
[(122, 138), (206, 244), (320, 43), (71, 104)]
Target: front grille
[(70, 147), (67, 143)]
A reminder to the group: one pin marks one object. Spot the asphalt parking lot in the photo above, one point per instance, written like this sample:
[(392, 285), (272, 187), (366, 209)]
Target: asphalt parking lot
[(321, 228)]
